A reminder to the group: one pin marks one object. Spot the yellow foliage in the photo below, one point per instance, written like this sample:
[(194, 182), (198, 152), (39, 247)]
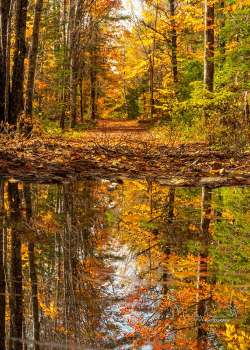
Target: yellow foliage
[(236, 339), (41, 85), (193, 228), (227, 215), (50, 310), (25, 252)]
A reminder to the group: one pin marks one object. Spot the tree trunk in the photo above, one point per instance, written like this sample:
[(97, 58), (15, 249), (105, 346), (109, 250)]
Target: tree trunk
[(74, 28), (93, 68), (16, 297), (151, 87), (93, 72), (5, 6), (33, 58), (246, 109), (144, 104), (7, 79), (73, 96), (209, 46), (124, 84), (93, 91), (81, 100), (152, 68), (16, 96), (65, 64), (73, 91), (222, 40), (173, 41)]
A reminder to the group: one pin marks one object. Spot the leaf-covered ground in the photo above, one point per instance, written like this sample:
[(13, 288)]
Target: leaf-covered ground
[(118, 149)]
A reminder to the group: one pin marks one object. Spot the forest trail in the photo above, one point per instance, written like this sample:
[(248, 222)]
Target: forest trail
[(123, 126), (112, 131), (119, 149)]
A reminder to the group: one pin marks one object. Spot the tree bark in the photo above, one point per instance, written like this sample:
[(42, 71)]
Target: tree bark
[(16, 96), (174, 62), (74, 35), (33, 58), (65, 64), (93, 91), (81, 99), (93, 71), (151, 87), (246, 109), (5, 6), (152, 68), (73, 80), (7, 78), (209, 46), (222, 40)]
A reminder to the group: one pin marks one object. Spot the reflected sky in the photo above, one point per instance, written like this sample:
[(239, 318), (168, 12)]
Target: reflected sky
[(132, 6)]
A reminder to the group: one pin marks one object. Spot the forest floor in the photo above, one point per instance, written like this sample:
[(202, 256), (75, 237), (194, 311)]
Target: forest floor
[(117, 149)]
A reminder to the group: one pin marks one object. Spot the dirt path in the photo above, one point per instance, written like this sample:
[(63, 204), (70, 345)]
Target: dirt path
[(118, 126), (119, 130), (119, 149)]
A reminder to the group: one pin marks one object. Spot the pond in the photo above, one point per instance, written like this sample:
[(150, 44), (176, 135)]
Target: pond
[(129, 264)]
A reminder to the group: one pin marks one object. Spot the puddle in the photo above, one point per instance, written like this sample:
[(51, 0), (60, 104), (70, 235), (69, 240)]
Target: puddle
[(134, 265)]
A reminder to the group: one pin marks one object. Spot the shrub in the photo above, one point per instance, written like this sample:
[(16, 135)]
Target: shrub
[(224, 122)]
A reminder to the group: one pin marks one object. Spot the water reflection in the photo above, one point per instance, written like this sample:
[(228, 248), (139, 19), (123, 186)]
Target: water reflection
[(128, 265)]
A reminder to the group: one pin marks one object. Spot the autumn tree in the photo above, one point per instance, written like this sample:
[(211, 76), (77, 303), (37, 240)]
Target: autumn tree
[(75, 17), (33, 57), (209, 45), (5, 7), (16, 292), (172, 5), (93, 50), (20, 50)]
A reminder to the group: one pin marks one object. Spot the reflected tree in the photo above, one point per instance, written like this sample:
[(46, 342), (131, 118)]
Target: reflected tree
[(167, 250), (2, 272), (202, 272), (16, 292), (71, 260), (32, 272), (69, 264)]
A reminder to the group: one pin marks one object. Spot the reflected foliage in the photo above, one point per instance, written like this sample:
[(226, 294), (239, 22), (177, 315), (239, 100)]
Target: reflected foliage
[(123, 265)]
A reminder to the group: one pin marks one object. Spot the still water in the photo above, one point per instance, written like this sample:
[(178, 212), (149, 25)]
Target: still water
[(123, 265)]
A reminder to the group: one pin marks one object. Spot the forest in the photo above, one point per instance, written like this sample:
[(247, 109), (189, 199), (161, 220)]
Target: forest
[(116, 81), (124, 174)]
